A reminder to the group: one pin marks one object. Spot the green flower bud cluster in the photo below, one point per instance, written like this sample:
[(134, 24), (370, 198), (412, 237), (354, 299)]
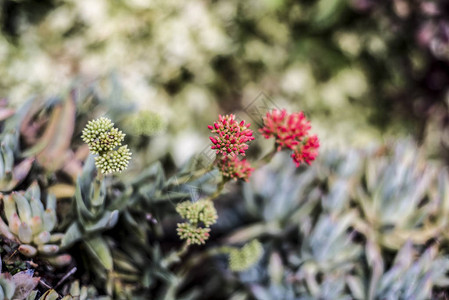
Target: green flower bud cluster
[(102, 138), (244, 258), (193, 234), (31, 225), (113, 161), (201, 211)]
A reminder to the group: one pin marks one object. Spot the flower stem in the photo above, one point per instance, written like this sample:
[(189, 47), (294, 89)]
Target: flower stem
[(175, 256)]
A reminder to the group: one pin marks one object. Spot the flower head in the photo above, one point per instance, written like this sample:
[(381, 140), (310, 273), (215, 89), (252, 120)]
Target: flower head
[(193, 234), (196, 212), (101, 136), (291, 131), (113, 161), (231, 136), (199, 211), (307, 151), (235, 168), (245, 258), (287, 129)]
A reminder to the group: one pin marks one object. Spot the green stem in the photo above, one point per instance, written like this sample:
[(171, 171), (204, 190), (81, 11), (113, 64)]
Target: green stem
[(194, 260), (196, 174), (266, 158), (100, 175), (218, 191), (175, 256)]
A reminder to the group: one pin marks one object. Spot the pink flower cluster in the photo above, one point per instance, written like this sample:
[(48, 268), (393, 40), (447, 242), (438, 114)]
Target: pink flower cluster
[(231, 137), (307, 151), (230, 141), (291, 131), (235, 168)]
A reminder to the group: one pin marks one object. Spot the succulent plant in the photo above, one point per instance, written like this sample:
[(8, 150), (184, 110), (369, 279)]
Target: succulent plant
[(92, 207), (47, 133), (7, 286), (18, 286), (357, 224), (319, 216), (277, 193), (14, 167), (398, 201), (328, 245), (31, 225), (95, 213), (413, 274), (75, 292), (11, 172)]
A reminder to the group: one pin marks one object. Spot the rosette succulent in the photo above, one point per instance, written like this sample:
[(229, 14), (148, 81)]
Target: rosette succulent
[(31, 224)]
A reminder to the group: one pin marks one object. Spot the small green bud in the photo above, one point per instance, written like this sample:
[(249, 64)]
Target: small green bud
[(199, 211), (192, 234), (113, 161), (101, 136), (244, 258)]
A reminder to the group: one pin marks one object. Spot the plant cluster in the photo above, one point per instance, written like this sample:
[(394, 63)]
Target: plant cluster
[(63, 164), (358, 224)]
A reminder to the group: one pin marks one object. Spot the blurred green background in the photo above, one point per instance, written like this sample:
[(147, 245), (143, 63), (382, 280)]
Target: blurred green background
[(363, 71)]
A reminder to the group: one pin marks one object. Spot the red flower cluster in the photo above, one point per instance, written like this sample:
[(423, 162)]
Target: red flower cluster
[(307, 151), (288, 129), (230, 140), (235, 168), (291, 131), (231, 136)]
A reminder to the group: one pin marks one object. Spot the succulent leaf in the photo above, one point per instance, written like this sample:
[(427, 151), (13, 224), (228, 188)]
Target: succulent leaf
[(23, 206), (100, 250), (34, 231)]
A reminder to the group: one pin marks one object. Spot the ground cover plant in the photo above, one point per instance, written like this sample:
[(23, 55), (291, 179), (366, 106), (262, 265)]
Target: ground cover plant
[(86, 215), (258, 149)]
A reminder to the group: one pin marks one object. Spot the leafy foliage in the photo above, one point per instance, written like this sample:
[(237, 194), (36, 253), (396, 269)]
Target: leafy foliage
[(363, 224)]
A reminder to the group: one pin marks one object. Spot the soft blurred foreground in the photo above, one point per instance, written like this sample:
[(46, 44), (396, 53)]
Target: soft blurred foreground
[(362, 70)]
